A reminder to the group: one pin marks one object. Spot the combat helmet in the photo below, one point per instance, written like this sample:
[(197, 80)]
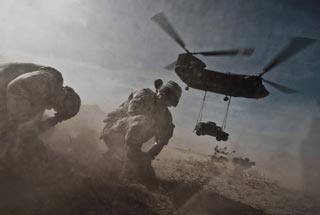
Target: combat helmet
[(71, 103), (172, 91)]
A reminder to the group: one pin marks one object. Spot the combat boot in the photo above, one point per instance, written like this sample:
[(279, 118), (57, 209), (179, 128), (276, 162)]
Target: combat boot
[(131, 167), (146, 171)]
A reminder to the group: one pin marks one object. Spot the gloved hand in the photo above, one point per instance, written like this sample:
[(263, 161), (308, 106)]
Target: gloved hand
[(52, 121), (59, 117), (146, 157), (155, 150)]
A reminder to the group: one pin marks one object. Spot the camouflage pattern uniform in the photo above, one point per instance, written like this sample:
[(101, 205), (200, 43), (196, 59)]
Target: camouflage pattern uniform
[(133, 123), (9, 72), (26, 91)]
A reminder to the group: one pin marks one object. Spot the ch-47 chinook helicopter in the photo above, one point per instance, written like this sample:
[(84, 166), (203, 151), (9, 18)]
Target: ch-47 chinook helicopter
[(192, 72)]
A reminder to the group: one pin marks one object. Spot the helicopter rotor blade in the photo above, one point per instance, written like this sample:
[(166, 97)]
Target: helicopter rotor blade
[(231, 52), (295, 46), (280, 87), (171, 66), (163, 22)]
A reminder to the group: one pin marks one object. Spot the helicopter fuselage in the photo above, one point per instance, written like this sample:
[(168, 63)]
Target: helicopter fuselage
[(192, 72)]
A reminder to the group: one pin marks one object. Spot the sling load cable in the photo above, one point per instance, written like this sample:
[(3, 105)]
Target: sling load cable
[(201, 109), (224, 123)]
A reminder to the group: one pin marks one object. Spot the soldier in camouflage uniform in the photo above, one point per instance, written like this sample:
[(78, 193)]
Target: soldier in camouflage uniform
[(26, 91), (143, 115)]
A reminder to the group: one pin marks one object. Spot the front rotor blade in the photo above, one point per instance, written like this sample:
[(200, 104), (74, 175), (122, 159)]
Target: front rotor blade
[(232, 52), (161, 20), (295, 46), (280, 87), (171, 66)]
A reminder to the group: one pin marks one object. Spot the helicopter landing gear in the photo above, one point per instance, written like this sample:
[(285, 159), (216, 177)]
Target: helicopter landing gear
[(226, 98), (186, 88)]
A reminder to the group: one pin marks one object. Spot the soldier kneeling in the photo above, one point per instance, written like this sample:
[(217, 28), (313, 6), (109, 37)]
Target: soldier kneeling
[(142, 116)]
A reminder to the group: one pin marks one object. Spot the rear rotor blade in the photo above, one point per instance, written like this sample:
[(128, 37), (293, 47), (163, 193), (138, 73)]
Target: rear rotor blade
[(231, 52), (280, 87), (171, 66), (161, 20), (295, 46)]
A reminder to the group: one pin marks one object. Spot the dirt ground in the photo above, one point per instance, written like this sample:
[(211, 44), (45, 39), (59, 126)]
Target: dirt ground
[(235, 179), (197, 184), (66, 176)]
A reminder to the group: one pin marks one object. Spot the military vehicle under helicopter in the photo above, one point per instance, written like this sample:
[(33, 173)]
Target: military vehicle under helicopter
[(192, 71)]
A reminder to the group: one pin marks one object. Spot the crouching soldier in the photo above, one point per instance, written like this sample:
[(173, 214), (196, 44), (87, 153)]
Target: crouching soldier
[(142, 116), (26, 91)]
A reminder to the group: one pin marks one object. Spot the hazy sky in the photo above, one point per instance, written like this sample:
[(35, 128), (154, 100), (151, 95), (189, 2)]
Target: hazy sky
[(107, 48)]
